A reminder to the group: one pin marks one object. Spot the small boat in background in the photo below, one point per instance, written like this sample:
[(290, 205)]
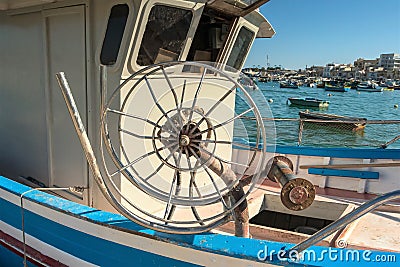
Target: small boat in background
[(336, 87), (288, 84), (308, 102), (342, 122), (369, 87)]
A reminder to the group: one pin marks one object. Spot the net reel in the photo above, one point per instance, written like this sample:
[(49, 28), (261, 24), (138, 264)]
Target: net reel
[(167, 138), (168, 130)]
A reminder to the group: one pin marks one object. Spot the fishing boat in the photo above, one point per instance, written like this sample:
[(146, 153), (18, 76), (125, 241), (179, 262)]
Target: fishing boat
[(369, 87), (288, 84), (308, 102), (119, 147), (336, 88), (333, 120)]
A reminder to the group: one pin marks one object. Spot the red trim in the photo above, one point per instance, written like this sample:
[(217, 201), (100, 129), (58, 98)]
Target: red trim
[(32, 255)]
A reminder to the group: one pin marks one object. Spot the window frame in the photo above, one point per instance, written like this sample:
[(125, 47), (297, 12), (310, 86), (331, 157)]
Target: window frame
[(195, 8), (122, 37), (121, 57), (238, 24)]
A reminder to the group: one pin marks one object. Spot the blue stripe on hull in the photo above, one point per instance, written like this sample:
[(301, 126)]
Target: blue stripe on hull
[(107, 253), (86, 247)]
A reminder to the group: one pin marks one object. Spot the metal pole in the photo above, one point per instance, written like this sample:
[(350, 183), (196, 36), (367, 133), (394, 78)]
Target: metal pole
[(345, 220), (80, 128)]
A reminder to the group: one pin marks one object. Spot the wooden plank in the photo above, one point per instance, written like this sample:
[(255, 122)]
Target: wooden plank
[(344, 173)]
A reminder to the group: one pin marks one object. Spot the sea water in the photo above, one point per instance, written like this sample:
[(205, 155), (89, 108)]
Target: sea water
[(272, 101)]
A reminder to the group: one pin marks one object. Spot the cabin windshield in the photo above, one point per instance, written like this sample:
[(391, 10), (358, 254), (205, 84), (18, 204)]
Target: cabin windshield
[(165, 34), (240, 48)]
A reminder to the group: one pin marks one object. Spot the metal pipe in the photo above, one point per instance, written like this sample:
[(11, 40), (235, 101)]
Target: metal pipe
[(103, 86), (296, 193), (242, 225), (83, 138), (345, 220)]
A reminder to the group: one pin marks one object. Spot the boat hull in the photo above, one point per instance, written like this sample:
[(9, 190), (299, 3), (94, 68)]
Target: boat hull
[(335, 121), (71, 234), (313, 103), (59, 232), (337, 89), (369, 89)]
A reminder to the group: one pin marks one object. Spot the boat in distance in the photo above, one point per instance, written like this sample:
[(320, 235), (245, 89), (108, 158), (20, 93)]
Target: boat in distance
[(336, 88), (121, 145), (288, 84), (332, 120), (369, 87), (308, 102)]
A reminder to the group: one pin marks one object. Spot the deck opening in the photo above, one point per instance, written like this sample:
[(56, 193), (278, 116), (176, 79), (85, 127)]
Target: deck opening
[(289, 222)]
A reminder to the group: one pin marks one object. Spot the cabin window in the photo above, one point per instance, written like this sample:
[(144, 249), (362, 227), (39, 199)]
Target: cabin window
[(240, 48), (114, 33), (210, 37), (165, 35)]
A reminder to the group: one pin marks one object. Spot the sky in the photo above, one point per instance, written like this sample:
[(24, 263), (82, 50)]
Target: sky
[(317, 32)]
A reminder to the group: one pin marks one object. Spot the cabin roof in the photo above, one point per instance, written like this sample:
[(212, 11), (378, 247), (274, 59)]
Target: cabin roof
[(14, 4), (234, 7)]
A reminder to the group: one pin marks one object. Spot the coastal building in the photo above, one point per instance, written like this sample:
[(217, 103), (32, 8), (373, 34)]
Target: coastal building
[(362, 64), (386, 67), (314, 71), (390, 61), (374, 73), (328, 70), (345, 71)]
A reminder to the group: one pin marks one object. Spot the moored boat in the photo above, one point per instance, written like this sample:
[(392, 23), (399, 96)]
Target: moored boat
[(308, 102), (369, 87), (288, 84), (332, 120), (336, 88)]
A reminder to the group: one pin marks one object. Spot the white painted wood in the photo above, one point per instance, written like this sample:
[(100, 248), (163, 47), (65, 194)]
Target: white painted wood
[(65, 44)]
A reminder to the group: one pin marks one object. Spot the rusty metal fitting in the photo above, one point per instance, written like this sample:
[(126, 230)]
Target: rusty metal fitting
[(296, 193)]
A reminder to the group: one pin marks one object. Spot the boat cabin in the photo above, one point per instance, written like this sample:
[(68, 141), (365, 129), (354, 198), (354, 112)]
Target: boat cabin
[(38, 144)]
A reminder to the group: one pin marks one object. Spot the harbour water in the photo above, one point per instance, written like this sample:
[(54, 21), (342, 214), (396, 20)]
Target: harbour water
[(373, 106)]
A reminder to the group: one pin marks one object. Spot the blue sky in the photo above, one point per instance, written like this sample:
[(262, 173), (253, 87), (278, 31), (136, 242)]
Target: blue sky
[(317, 32)]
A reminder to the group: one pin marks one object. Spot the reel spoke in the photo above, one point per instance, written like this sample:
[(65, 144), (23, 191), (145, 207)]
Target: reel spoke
[(215, 106), (197, 93), (133, 116), (142, 157), (226, 122), (159, 106)]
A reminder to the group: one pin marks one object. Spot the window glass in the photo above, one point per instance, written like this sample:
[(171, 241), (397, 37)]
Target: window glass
[(114, 33), (240, 48), (165, 35), (210, 38)]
